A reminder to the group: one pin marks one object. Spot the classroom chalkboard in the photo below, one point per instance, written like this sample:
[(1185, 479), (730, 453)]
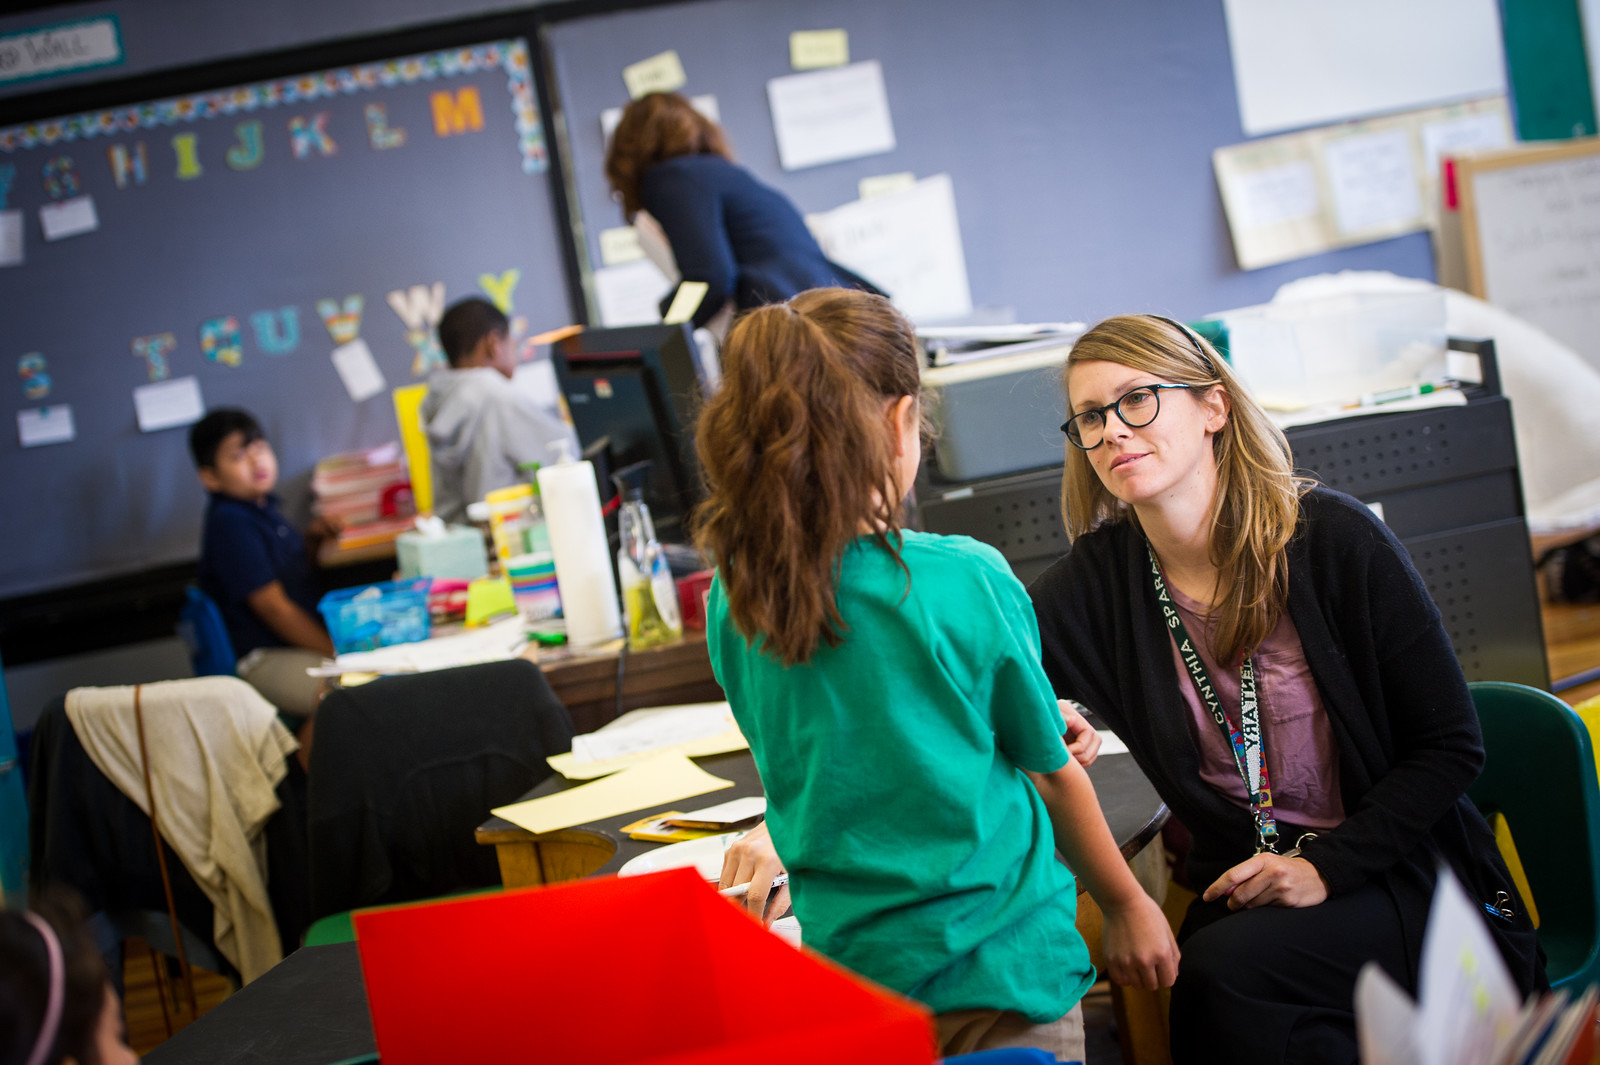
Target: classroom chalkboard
[(1078, 137), (1530, 224), (229, 240)]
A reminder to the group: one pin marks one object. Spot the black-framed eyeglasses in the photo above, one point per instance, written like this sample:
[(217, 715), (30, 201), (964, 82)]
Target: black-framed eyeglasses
[(1136, 407)]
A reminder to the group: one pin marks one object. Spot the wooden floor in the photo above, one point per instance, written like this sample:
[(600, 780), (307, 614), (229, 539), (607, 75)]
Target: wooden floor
[(1572, 641)]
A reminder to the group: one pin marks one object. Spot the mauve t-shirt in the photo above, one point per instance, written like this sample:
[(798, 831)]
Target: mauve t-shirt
[(1302, 757)]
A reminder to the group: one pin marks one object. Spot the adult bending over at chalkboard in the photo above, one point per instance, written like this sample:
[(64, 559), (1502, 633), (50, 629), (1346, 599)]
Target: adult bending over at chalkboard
[(704, 218), (1204, 577)]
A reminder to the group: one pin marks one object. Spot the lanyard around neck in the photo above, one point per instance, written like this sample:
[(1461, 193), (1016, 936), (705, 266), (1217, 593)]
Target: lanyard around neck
[(1245, 740)]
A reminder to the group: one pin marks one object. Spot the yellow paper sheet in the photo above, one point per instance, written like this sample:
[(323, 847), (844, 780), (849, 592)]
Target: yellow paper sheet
[(815, 49), (659, 73), (686, 302), (722, 743), (664, 778)]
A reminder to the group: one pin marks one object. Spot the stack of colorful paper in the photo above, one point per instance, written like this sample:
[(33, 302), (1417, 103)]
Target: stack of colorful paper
[(533, 582)]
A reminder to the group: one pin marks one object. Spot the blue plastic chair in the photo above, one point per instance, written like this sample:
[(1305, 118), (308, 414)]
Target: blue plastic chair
[(1539, 772), (202, 631)]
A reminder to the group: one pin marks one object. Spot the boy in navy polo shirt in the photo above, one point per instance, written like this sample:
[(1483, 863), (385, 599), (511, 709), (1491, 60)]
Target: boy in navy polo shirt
[(255, 566)]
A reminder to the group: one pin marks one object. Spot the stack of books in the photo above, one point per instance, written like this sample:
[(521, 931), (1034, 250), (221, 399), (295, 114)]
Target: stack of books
[(370, 491)]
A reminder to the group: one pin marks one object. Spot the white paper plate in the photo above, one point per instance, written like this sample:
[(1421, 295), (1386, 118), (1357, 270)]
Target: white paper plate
[(704, 855)]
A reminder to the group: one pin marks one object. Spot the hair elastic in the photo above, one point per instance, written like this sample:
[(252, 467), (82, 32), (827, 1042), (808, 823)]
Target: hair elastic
[(50, 1026), (1194, 339)]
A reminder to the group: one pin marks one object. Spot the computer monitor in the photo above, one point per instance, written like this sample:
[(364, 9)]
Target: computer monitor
[(640, 387)]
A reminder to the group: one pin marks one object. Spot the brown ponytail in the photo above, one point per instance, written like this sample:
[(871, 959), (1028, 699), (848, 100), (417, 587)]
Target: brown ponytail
[(797, 455)]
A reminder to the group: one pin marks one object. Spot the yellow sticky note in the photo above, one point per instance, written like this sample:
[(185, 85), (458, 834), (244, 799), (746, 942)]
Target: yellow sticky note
[(620, 245), (814, 49), (883, 184), (659, 73), (686, 302), (660, 780), (722, 743)]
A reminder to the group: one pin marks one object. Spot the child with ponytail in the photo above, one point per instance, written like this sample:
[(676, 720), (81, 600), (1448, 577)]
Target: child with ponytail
[(918, 784)]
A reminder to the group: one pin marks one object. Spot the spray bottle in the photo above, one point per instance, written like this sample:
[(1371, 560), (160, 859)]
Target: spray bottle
[(649, 597)]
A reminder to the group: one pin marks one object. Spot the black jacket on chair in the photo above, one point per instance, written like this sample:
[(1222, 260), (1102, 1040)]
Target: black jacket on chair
[(405, 768), (85, 833)]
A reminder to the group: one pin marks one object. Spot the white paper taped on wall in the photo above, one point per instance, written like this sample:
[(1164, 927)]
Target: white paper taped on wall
[(68, 218), (907, 243), (11, 238), (168, 404), (45, 425), (358, 370), (828, 115), (630, 294)]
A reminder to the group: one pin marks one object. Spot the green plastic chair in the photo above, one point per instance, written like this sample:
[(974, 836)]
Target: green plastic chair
[(1539, 773), (340, 927)]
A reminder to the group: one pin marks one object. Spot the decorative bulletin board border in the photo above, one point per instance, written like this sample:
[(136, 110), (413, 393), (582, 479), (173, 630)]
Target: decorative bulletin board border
[(511, 55)]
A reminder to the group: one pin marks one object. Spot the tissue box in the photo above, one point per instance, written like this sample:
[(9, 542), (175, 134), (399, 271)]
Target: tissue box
[(459, 553)]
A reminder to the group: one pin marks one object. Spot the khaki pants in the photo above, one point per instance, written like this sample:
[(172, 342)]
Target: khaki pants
[(279, 674), (967, 1031)]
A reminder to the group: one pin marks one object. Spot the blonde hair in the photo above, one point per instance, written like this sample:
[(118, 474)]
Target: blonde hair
[(1256, 506), (795, 451)]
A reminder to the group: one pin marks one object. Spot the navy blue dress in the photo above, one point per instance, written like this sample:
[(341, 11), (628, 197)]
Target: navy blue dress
[(743, 239)]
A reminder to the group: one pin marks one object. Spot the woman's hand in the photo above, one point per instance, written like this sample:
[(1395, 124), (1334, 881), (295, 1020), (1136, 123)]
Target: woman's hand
[(1138, 945), (753, 860), (1270, 880), (1083, 742)]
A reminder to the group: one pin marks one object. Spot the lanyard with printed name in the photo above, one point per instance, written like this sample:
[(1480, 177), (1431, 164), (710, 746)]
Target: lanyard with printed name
[(1245, 740)]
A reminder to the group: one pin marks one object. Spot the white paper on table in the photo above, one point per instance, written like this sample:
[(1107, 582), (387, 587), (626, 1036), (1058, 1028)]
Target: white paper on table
[(1275, 194), (498, 642), (908, 243), (705, 103), (727, 813), (630, 294), (45, 425), (828, 115), (1111, 743), (1373, 182), (68, 218), (358, 370), (651, 729), (619, 245), (168, 404), (1303, 64), (11, 238), (1466, 133), (662, 72), (537, 381)]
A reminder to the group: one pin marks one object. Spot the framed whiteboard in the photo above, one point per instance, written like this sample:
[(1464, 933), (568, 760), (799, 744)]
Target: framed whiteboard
[(1530, 221)]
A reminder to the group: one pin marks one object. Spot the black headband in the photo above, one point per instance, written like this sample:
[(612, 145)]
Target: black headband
[(1194, 339)]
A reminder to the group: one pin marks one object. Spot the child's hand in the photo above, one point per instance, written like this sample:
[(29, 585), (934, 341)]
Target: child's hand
[(753, 860), (1083, 742), (1138, 945)]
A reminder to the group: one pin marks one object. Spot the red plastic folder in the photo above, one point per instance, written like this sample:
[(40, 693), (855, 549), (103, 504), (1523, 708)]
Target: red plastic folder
[(643, 969)]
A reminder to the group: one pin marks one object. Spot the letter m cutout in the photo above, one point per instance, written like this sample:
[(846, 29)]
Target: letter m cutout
[(458, 113)]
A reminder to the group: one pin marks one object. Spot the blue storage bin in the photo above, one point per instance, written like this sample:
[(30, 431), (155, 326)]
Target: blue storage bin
[(377, 615)]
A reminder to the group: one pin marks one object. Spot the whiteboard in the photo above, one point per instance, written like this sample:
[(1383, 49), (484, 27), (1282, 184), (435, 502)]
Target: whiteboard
[(1531, 224), (1300, 63)]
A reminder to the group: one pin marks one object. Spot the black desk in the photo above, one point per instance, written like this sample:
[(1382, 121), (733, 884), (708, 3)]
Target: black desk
[(309, 1009)]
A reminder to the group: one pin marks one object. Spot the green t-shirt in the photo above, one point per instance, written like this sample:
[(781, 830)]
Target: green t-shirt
[(920, 855)]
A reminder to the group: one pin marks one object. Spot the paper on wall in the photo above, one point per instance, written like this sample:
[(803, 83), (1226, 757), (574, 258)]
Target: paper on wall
[(907, 243), (536, 379), (1373, 183), (687, 300), (168, 404), (620, 245), (45, 425), (1283, 193), (662, 72), (883, 184), (11, 238), (816, 49), (1465, 133), (68, 218), (630, 294), (1305, 64), (358, 370), (828, 115), (706, 104)]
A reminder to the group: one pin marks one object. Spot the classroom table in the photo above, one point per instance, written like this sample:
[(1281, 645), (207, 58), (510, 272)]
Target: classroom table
[(586, 683), (1133, 810)]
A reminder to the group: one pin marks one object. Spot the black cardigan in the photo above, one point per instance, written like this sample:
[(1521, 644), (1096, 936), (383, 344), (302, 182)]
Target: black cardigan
[(1408, 736)]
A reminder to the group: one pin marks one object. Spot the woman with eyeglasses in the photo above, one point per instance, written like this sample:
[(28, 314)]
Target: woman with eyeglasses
[(1276, 666), (704, 217)]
